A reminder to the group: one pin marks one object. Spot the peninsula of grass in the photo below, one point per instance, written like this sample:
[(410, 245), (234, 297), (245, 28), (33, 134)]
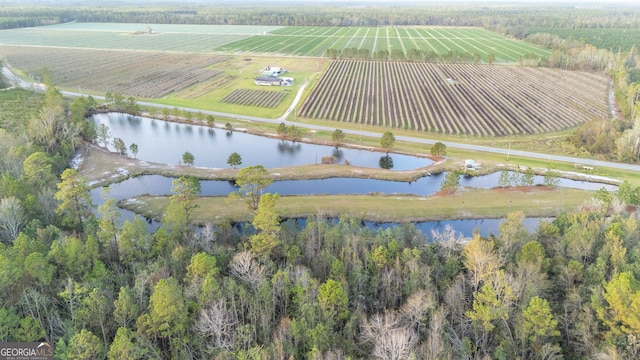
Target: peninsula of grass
[(466, 203), (101, 167)]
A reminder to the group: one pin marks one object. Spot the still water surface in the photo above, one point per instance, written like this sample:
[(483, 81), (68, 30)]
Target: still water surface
[(429, 185), (165, 142)]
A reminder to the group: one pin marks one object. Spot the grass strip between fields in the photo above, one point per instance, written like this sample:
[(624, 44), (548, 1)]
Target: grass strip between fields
[(466, 203)]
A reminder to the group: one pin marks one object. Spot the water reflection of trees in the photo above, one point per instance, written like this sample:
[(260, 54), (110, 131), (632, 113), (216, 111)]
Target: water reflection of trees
[(338, 154), (134, 121), (286, 147), (386, 162)]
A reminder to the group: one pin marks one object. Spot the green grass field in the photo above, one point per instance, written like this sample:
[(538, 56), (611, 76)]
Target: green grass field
[(466, 203), (290, 41)]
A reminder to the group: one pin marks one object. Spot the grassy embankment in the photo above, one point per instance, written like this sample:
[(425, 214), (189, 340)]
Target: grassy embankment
[(464, 204)]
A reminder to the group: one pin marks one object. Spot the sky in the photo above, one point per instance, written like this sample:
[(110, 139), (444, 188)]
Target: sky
[(233, 2), (266, 3)]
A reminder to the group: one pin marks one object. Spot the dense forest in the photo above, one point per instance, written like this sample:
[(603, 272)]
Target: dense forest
[(492, 16), (76, 275)]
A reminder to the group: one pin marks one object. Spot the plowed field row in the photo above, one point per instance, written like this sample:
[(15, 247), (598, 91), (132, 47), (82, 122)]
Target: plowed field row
[(460, 99), (260, 98), (133, 73)]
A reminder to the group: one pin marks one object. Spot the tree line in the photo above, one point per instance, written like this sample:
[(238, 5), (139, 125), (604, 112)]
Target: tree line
[(416, 55), (516, 18)]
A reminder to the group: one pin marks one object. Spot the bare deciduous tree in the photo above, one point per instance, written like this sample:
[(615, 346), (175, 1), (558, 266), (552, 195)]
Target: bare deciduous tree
[(51, 129), (549, 352), (281, 337), (217, 324), (11, 154), (448, 238), (391, 339), (628, 145), (245, 267), (12, 218), (41, 308), (48, 203), (435, 343), (417, 307)]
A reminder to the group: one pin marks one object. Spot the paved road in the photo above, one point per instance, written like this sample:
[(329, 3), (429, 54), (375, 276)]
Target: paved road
[(16, 81), (470, 147)]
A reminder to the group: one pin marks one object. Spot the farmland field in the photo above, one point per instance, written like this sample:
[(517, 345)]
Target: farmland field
[(192, 66), (134, 73), (274, 40), (180, 38), (315, 41), (260, 98), (461, 99)]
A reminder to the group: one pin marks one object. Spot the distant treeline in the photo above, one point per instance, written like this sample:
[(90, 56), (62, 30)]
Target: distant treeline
[(602, 38), (512, 17)]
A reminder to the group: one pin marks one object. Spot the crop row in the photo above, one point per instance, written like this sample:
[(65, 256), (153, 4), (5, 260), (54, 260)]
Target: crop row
[(456, 98), (134, 73), (260, 98), (179, 42), (315, 41), (300, 41), (161, 28)]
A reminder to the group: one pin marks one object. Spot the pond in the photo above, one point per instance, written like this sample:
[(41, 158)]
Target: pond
[(466, 228), (425, 186), (161, 185), (165, 142)]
